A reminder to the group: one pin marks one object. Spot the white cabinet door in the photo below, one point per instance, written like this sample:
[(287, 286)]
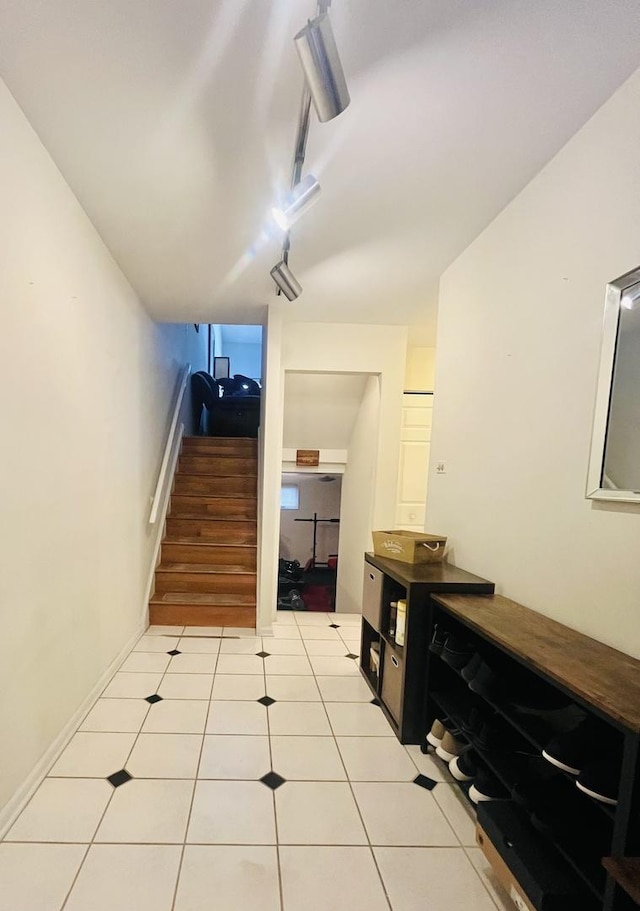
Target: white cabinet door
[(415, 440)]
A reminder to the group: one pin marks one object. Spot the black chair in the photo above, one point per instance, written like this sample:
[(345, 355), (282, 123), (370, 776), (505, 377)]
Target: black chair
[(217, 415)]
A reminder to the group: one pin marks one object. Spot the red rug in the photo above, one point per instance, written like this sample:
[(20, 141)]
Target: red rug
[(318, 597)]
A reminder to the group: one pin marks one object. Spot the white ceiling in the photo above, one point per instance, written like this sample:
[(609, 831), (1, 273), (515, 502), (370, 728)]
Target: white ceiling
[(173, 122)]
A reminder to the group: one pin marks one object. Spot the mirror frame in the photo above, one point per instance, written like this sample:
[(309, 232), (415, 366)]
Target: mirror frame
[(612, 306)]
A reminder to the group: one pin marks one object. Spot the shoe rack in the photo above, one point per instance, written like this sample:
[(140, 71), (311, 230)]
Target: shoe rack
[(394, 668), (567, 850)]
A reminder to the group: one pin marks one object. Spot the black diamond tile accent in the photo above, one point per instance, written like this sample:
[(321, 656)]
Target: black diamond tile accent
[(153, 699), (375, 702), (272, 780), (334, 626), (425, 782), (266, 700), (350, 656), (118, 778), (263, 654), (174, 651)]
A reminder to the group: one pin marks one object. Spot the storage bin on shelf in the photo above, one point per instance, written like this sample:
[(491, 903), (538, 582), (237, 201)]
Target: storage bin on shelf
[(409, 546)]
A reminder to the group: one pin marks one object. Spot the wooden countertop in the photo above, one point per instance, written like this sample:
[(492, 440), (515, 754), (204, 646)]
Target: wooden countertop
[(437, 576), (601, 675)]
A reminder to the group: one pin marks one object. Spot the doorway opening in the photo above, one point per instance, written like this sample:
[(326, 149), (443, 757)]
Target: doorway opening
[(309, 538)]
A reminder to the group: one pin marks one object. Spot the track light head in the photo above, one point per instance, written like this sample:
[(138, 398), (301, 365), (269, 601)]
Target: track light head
[(301, 198), (286, 280), (320, 61)]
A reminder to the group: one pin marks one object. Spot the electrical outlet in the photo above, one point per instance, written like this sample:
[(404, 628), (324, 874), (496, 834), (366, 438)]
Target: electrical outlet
[(440, 468)]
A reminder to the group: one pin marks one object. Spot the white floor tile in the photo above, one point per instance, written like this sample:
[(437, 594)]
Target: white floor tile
[(37, 877), (240, 664), (192, 664), (403, 814), (353, 645), (313, 618), (340, 878), (238, 686), (375, 759), (357, 719), (307, 758), (319, 632), (151, 662), (151, 811), (90, 755), (132, 686), (156, 643), (283, 646), (318, 813), (186, 686), (126, 877), (335, 667), (239, 877), (344, 689), (164, 630), (165, 756), (249, 645), (286, 618), (199, 644), (293, 689), (458, 811), (238, 631), (491, 882), (287, 665), (410, 874), (237, 718), (62, 809), (118, 716), (286, 631), (235, 756), (347, 619), (298, 718), (206, 631), (326, 647), (232, 812), (427, 765), (177, 716)]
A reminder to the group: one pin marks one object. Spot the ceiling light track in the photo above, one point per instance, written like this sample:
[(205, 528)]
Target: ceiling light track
[(326, 87)]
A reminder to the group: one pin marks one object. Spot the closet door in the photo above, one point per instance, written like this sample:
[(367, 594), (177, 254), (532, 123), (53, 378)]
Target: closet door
[(415, 441)]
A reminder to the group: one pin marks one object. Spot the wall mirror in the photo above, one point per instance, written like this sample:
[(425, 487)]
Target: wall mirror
[(614, 463)]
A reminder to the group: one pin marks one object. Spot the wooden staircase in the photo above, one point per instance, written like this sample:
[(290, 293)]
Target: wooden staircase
[(207, 570)]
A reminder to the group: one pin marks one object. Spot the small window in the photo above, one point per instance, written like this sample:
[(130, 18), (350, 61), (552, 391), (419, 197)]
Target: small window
[(290, 496)]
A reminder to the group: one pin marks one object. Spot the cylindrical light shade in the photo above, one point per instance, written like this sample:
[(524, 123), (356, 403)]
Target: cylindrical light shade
[(286, 281), (322, 68), (302, 196)]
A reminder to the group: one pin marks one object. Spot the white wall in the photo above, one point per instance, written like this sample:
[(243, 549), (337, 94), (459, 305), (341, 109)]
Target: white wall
[(320, 408), (420, 369), (316, 496), (518, 351), (86, 383)]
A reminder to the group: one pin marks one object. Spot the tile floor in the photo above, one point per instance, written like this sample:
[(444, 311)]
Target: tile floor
[(223, 770)]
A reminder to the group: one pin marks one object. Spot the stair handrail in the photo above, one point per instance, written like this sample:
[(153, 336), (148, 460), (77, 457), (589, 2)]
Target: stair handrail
[(175, 430)]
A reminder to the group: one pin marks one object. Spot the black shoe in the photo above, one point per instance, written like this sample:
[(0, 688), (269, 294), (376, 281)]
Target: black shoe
[(471, 667), (485, 682), (573, 750), (464, 767), (456, 653), (472, 725), (601, 780), (487, 787), (437, 640), (548, 793)]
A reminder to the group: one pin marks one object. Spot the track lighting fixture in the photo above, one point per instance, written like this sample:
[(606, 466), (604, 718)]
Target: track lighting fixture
[(323, 71), (301, 197), (286, 280)]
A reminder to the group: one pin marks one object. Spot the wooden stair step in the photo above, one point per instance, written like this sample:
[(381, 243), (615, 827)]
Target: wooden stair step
[(207, 553), (190, 506), (227, 466), (206, 599), (188, 577), (211, 531), (214, 486), (213, 568), (229, 445), (194, 613)]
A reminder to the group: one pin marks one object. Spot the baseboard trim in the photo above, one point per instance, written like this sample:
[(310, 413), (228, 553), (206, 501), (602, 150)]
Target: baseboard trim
[(16, 804)]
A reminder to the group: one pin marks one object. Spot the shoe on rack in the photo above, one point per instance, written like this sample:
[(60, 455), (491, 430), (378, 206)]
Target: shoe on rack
[(485, 682), (450, 747), (601, 779), (573, 750), (471, 667), (437, 732), (438, 639), (472, 724), (464, 767), (487, 787), (541, 792), (457, 653)]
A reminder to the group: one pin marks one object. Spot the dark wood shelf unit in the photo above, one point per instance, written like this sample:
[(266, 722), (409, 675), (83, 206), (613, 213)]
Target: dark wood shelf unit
[(400, 683), (597, 680)]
